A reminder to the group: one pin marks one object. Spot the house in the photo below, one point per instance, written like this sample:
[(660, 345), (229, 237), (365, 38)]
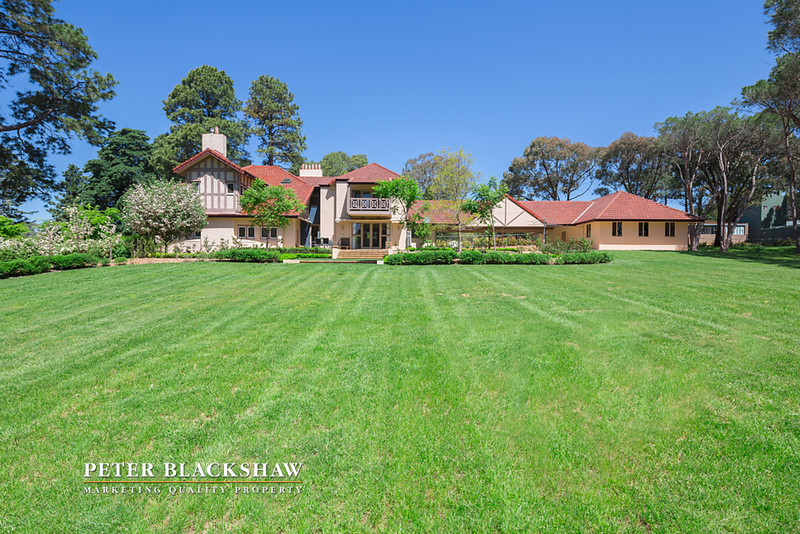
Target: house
[(770, 219), (343, 213), (619, 221)]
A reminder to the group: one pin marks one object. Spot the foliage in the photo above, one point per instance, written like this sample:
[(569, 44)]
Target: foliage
[(572, 258), (406, 193), (163, 211), (40, 264), (249, 255), (56, 94), (276, 122), (423, 169), (425, 257), (485, 197), (636, 164), (68, 191), (73, 261), (9, 229), (303, 255), (205, 98), (339, 163), (270, 205), (551, 168), (474, 257), (555, 245), (123, 160)]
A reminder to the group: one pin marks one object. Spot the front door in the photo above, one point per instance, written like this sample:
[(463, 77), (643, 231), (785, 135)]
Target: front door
[(370, 235)]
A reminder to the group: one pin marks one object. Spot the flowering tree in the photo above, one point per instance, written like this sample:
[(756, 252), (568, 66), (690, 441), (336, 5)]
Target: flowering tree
[(85, 230), (163, 211)]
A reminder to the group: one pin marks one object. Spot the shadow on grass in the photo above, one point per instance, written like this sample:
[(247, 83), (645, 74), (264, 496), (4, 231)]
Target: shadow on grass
[(783, 256)]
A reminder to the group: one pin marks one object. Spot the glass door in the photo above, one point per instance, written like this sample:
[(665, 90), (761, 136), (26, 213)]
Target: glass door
[(370, 235)]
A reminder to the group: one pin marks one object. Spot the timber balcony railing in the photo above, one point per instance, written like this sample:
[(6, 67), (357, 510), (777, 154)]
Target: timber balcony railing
[(369, 206)]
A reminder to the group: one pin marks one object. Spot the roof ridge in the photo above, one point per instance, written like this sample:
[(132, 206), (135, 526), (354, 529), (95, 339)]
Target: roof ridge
[(591, 203), (611, 201)]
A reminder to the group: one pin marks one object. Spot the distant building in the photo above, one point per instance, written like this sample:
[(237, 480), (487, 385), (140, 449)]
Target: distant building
[(770, 219)]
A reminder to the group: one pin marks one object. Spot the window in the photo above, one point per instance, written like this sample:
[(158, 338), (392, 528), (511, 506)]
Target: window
[(644, 229), (588, 231), (231, 187), (669, 229), (616, 229), (286, 181), (247, 232), (269, 233)]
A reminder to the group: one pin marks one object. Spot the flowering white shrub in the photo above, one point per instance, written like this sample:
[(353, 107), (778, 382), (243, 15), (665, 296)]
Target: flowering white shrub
[(84, 231), (164, 211)]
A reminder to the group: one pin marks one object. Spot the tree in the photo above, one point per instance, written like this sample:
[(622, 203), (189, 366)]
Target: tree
[(681, 139), (48, 63), (423, 170), (405, 192), (163, 211), (69, 190), (9, 229), (551, 168), (205, 98), (270, 205), (276, 122), (339, 163), (635, 164), (485, 198), (123, 160), (455, 181)]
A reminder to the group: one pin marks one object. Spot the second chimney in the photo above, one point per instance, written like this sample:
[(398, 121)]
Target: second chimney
[(312, 170)]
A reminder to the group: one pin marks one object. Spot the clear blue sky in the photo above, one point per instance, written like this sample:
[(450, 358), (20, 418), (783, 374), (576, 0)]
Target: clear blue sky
[(396, 79)]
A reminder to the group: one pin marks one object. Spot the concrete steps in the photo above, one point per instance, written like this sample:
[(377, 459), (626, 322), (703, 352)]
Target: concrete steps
[(362, 254)]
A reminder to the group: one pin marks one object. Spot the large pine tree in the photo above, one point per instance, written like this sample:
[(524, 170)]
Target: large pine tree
[(276, 122), (205, 98)]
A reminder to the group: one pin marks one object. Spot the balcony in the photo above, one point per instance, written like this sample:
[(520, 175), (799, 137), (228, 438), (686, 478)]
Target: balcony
[(369, 207)]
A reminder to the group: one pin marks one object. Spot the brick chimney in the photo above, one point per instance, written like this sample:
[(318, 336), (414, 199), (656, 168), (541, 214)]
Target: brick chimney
[(216, 141), (312, 170)]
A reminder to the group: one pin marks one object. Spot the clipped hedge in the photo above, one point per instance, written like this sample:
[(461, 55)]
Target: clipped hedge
[(250, 255), (575, 258), (475, 257), (426, 257), (73, 261)]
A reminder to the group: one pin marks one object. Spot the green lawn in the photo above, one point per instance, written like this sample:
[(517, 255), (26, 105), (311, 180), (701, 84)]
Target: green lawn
[(660, 392)]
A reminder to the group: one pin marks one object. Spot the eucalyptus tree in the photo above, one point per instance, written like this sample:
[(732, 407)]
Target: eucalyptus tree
[(552, 168), (636, 164)]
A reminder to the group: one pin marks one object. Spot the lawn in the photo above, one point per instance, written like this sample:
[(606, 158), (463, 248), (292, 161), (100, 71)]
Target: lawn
[(660, 392)]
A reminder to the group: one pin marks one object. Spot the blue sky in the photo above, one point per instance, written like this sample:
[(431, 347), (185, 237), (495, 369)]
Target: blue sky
[(396, 79)]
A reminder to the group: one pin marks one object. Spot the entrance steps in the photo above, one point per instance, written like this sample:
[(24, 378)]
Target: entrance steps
[(362, 254)]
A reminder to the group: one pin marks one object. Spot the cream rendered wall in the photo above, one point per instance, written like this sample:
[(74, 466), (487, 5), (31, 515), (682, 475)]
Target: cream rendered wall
[(630, 240), (225, 229), (327, 212), (341, 200)]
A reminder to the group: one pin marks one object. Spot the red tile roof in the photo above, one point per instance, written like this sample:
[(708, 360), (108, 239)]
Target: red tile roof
[(274, 175), (368, 174), (619, 206)]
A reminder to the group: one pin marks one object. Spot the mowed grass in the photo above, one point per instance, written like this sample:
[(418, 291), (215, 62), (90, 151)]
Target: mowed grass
[(660, 393)]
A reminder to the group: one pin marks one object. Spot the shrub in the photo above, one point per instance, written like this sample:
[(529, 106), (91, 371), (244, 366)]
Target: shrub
[(303, 250), (471, 257), (583, 257), (257, 255), (73, 261), (531, 258), (426, 257), (34, 265), (498, 258)]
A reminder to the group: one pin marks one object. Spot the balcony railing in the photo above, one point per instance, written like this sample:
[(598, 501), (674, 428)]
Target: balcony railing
[(370, 205)]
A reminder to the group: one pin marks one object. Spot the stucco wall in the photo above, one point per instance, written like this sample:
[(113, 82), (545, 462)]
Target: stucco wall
[(327, 212), (510, 216), (630, 239), (221, 229)]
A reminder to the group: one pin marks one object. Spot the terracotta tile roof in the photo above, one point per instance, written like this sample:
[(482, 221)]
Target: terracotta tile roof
[(368, 174), (318, 180), (619, 206), (555, 212), (274, 175), (207, 152), (440, 211)]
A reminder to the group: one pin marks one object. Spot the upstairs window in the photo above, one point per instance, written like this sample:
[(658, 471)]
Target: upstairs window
[(616, 228), (231, 187), (669, 229), (644, 229)]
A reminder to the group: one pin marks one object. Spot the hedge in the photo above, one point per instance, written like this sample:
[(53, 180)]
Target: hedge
[(304, 255), (475, 257), (40, 264), (426, 257), (256, 255)]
